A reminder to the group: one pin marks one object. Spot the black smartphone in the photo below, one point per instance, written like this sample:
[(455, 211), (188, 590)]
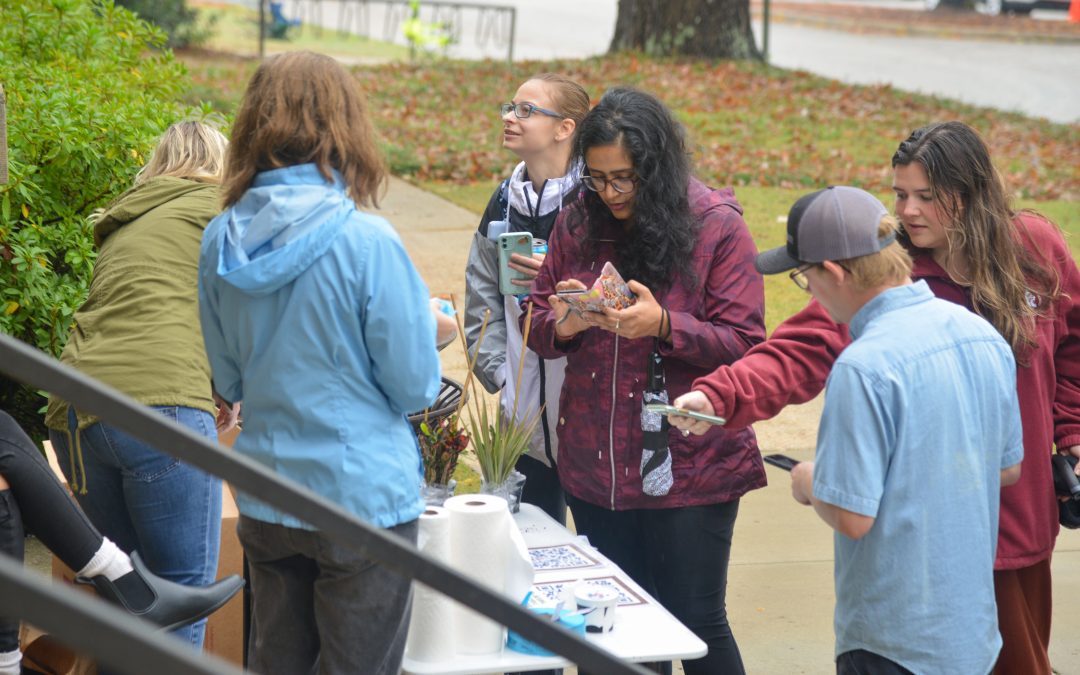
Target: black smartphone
[(783, 461)]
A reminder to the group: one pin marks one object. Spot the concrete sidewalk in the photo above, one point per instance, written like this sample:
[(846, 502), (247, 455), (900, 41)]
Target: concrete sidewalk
[(780, 590)]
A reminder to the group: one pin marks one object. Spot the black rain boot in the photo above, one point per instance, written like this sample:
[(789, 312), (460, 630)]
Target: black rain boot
[(163, 602)]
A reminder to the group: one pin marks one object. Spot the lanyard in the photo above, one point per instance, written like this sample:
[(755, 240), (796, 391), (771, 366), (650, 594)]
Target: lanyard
[(535, 213)]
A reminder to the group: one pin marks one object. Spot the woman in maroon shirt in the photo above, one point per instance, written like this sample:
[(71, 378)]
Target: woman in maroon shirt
[(1015, 270), (688, 256)]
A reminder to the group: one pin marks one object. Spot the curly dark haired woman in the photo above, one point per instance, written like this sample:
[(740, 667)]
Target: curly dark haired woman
[(688, 257)]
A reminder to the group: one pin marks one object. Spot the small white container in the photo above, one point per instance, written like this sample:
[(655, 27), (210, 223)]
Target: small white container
[(597, 602)]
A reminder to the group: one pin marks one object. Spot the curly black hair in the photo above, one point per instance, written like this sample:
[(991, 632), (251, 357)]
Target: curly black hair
[(662, 231)]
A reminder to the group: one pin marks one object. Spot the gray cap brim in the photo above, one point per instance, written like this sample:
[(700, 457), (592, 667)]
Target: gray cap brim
[(775, 261)]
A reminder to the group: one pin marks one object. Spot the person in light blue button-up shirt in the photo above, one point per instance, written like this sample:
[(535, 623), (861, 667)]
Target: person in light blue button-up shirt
[(315, 318), (920, 429)]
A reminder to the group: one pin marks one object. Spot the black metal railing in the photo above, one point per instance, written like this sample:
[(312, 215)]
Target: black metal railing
[(492, 25), (100, 630)]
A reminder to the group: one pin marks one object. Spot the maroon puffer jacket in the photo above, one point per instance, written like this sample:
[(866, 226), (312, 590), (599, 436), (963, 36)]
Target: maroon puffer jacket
[(713, 323)]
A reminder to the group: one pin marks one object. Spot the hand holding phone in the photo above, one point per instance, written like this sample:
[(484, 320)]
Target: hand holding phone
[(782, 461), (510, 243), (569, 322), (665, 409)]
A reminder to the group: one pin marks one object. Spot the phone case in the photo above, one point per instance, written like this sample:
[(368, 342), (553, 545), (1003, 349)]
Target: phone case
[(509, 244), (609, 290), (781, 461)]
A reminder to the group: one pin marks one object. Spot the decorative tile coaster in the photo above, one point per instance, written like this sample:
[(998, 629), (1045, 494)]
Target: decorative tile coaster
[(550, 592), (564, 557)]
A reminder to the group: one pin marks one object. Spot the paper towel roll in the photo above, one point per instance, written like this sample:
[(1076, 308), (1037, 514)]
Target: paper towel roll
[(486, 546), (431, 630)]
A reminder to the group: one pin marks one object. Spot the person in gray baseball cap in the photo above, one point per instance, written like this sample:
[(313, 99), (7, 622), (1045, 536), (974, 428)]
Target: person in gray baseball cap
[(831, 224), (912, 495)]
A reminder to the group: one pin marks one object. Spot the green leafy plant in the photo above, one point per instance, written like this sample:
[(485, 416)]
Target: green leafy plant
[(183, 25), (87, 95), (499, 442)]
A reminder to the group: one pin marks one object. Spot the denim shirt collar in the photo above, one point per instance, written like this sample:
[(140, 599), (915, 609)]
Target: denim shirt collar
[(887, 301)]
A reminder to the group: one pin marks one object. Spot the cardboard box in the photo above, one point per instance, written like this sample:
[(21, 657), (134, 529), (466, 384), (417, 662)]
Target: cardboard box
[(225, 627)]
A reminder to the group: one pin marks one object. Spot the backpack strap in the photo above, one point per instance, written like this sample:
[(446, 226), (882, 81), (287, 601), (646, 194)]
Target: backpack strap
[(504, 199)]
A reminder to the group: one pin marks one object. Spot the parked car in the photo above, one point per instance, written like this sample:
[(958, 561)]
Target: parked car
[(995, 7)]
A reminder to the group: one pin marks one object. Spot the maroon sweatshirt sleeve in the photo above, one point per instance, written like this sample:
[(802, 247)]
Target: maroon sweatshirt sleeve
[(790, 367)]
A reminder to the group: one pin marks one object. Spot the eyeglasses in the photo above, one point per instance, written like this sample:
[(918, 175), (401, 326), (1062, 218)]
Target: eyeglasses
[(524, 110), (798, 275), (621, 185)]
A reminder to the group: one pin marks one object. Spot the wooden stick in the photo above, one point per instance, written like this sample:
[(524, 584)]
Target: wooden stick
[(471, 363), (521, 362)]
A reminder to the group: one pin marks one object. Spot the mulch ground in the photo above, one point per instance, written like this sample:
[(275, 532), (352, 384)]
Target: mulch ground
[(939, 23)]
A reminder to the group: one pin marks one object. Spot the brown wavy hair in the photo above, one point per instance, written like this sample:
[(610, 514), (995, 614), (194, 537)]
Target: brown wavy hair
[(982, 231), (301, 108)]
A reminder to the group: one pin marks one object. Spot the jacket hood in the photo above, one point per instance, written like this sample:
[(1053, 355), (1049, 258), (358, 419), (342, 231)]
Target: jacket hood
[(703, 197), (286, 220), (141, 199)]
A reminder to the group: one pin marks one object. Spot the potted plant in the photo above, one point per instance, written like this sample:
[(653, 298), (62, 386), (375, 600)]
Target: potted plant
[(441, 442)]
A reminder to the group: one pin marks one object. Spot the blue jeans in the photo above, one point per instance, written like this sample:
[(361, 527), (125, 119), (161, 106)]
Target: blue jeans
[(147, 501)]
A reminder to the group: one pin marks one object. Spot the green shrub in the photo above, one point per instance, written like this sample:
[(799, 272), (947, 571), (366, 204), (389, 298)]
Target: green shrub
[(87, 95), (180, 22)]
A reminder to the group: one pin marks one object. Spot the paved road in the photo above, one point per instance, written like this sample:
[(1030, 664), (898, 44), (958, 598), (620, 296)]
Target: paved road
[(1036, 79), (1041, 80)]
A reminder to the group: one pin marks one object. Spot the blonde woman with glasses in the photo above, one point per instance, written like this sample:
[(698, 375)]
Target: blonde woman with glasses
[(538, 126)]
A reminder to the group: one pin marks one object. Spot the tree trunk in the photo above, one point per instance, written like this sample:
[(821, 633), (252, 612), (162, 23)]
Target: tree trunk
[(705, 28)]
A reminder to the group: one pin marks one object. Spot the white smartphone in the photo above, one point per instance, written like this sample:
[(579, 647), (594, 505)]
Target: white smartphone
[(665, 409)]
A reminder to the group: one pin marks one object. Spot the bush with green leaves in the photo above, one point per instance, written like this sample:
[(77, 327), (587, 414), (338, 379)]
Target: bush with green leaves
[(88, 92), (181, 23)]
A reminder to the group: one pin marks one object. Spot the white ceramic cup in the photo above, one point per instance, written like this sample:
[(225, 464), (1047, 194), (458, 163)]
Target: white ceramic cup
[(597, 602)]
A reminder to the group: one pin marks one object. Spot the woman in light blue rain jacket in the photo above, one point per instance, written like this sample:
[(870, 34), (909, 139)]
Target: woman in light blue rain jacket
[(315, 318)]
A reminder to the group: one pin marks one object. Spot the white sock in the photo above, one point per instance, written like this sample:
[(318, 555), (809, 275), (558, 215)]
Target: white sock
[(9, 662), (109, 560)]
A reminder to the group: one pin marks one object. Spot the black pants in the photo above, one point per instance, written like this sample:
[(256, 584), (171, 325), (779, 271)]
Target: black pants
[(542, 487), (38, 502), (862, 662), (680, 557)]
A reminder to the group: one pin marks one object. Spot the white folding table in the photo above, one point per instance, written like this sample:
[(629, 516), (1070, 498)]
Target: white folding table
[(644, 631)]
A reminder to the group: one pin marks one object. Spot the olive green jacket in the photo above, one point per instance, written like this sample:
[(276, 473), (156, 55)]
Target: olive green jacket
[(138, 330)]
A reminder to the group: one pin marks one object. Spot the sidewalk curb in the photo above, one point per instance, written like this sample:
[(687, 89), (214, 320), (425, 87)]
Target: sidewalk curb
[(884, 27)]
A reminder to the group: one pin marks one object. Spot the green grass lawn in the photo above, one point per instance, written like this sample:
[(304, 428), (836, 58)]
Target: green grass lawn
[(770, 133), (749, 124)]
